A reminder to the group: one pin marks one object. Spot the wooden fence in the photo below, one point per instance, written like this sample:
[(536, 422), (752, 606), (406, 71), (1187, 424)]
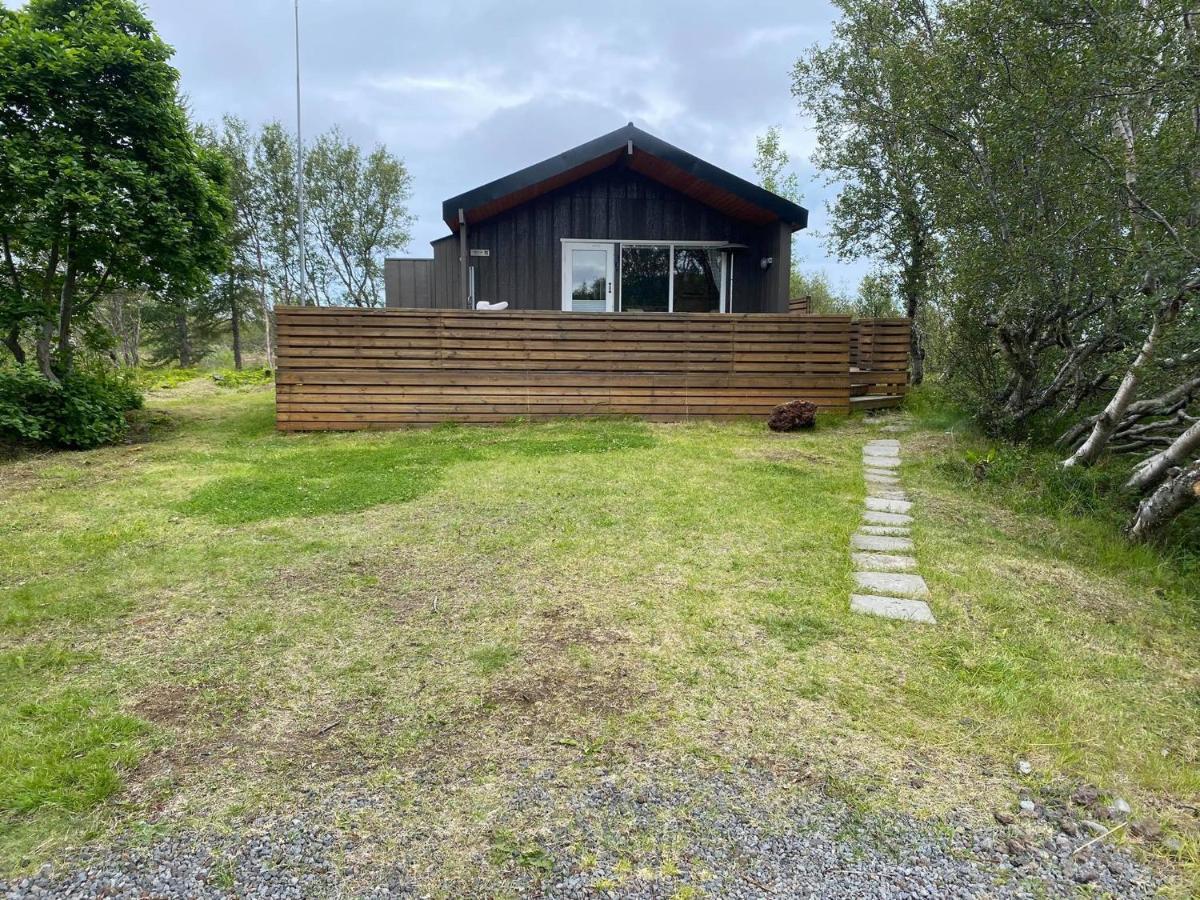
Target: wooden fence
[(878, 362), (353, 369)]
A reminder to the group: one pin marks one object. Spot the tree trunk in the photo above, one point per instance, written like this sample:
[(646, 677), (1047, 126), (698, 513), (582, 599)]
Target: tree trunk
[(1151, 471), (185, 338), (133, 342), (912, 286), (45, 363), (1173, 496), (235, 326), (1107, 421), (66, 311), (12, 341)]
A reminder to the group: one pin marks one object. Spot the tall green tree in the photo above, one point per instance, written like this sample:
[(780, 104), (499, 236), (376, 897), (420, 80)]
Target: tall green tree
[(1054, 153), (101, 181), (862, 90), (358, 211), (771, 163)]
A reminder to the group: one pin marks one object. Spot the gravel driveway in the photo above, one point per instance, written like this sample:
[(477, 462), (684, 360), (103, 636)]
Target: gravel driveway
[(674, 833)]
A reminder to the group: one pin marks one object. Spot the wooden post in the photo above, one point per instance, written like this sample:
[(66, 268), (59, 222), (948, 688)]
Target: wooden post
[(462, 259)]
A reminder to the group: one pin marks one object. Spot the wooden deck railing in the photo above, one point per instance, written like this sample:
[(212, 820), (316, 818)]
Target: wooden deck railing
[(878, 362), (352, 369)]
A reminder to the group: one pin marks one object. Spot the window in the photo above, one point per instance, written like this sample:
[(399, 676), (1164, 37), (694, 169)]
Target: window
[(645, 278), (698, 277), (672, 278)]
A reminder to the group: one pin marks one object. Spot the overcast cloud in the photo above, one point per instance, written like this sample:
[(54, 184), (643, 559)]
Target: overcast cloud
[(468, 91)]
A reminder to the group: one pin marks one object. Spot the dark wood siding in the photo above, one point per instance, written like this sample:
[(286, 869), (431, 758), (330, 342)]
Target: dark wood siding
[(408, 283), (524, 267)]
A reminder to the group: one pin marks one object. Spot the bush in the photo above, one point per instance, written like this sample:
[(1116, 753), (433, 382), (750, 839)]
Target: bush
[(85, 410), (232, 378)]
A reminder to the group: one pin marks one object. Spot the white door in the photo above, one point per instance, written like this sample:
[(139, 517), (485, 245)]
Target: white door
[(587, 277)]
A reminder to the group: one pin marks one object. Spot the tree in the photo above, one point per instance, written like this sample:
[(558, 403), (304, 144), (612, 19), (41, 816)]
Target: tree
[(770, 165), (863, 93), (823, 297), (1051, 154), (876, 296), (358, 212), (250, 236), (101, 182)]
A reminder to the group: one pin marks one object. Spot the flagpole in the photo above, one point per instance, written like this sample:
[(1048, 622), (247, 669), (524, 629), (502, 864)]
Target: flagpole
[(299, 166)]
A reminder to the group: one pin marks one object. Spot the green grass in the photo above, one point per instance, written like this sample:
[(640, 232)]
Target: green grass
[(224, 618)]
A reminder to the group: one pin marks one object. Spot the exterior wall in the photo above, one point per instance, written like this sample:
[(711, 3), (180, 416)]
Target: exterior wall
[(408, 283), (524, 266)]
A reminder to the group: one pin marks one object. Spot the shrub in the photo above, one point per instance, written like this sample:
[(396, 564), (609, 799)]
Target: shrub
[(232, 378), (794, 415), (85, 410)]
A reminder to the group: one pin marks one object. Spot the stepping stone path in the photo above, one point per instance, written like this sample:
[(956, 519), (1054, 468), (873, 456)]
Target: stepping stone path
[(885, 570)]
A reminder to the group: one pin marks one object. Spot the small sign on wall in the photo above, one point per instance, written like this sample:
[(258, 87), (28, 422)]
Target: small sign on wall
[(481, 252)]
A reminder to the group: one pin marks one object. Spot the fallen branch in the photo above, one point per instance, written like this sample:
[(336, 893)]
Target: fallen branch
[(1179, 490)]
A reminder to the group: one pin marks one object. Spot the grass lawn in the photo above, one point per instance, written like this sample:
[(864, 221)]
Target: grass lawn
[(223, 619)]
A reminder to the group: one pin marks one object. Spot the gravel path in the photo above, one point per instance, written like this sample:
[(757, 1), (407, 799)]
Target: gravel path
[(643, 834)]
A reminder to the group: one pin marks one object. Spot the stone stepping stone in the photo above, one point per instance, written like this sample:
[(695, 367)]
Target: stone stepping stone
[(888, 494), (883, 442), (881, 462), (880, 543), (883, 562), (892, 584), (880, 472), (880, 478), (879, 504), (893, 530), (877, 449), (892, 608), (895, 428), (871, 517)]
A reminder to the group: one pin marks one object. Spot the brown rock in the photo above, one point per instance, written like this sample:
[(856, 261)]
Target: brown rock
[(1003, 818), (1146, 828)]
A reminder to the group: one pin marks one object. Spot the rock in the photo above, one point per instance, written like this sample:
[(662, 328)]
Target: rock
[(1017, 846), (1119, 808), (1069, 826), (1086, 875), (892, 584), (1085, 795), (1146, 828), (793, 416), (1003, 818), (1094, 827), (1023, 767), (1027, 806), (892, 608)]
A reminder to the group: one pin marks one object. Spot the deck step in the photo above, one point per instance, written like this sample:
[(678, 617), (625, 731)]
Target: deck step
[(874, 401)]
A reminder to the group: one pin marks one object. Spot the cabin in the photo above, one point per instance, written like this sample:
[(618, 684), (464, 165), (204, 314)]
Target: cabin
[(624, 277), (623, 223)]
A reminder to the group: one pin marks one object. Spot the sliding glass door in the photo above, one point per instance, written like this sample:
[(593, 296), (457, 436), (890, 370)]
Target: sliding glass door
[(645, 277), (672, 278)]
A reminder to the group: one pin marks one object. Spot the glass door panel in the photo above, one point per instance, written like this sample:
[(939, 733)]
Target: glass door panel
[(587, 277)]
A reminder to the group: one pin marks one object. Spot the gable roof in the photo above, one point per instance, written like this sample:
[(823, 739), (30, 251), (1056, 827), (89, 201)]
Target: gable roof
[(643, 153)]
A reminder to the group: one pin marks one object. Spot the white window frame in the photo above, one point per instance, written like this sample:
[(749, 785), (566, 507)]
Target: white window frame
[(610, 248)]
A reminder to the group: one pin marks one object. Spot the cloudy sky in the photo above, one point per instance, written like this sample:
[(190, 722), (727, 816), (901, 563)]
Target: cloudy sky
[(467, 91)]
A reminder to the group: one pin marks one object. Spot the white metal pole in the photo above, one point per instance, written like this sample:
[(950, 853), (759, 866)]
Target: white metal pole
[(299, 167)]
